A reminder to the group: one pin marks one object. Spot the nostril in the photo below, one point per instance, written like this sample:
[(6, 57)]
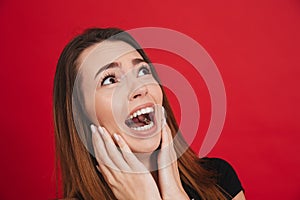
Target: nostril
[(139, 93), (136, 96)]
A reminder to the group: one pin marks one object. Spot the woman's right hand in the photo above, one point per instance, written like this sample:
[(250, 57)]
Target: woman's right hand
[(125, 174)]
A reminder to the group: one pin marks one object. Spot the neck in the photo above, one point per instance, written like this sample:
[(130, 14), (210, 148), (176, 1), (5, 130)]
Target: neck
[(149, 160)]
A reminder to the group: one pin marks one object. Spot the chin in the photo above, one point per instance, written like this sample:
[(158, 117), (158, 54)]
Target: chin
[(148, 145)]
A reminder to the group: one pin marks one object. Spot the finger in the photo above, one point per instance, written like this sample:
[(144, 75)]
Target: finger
[(170, 142), (167, 154), (169, 134), (167, 158), (99, 149), (113, 151), (164, 138), (130, 158), (164, 158), (172, 154), (167, 139)]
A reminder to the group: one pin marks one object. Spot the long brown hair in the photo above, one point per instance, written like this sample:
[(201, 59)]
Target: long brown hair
[(80, 177)]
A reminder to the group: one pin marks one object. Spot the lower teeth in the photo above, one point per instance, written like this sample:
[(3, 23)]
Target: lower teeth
[(145, 127)]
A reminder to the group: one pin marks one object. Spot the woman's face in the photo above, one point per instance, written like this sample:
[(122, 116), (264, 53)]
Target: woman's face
[(127, 99)]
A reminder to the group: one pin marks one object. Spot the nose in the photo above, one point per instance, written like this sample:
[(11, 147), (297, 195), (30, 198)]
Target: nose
[(138, 93)]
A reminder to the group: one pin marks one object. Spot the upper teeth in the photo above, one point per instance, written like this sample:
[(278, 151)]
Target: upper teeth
[(141, 111)]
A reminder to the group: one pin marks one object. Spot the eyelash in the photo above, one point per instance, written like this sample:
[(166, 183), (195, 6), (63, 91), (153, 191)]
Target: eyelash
[(113, 74), (107, 75)]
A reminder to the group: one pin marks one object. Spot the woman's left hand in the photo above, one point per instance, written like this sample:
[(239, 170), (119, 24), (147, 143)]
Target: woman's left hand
[(168, 174)]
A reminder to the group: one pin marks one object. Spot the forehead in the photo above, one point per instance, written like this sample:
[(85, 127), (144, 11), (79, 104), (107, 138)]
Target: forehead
[(128, 57), (106, 52)]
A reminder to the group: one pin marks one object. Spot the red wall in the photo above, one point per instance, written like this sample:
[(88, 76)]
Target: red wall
[(255, 44)]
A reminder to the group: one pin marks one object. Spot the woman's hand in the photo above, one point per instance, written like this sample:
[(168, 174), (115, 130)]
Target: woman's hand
[(125, 174), (168, 175)]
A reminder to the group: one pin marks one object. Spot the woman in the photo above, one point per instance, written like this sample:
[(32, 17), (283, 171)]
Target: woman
[(113, 140)]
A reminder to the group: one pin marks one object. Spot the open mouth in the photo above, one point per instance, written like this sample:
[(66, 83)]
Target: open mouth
[(141, 120)]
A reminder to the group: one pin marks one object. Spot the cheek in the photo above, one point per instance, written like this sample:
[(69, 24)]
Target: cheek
[(157, 93), (103, 107), (109, 112)]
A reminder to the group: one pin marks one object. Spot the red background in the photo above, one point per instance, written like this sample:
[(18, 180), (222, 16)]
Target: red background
[(255, 44)]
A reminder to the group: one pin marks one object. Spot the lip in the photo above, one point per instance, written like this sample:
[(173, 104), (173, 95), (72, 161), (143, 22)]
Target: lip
[(140, 107), (146, 133)]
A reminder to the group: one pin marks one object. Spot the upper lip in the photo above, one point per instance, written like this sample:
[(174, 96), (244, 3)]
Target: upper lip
[(140, 107)]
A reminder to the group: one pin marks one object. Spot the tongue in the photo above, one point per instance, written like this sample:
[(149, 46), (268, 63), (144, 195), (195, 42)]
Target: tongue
[(141, 118)]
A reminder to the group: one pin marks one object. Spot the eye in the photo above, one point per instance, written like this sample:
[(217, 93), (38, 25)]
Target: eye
[(108, 79), (144, 70)]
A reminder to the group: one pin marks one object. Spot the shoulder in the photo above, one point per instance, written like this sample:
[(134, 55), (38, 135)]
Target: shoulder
[(226, 176)]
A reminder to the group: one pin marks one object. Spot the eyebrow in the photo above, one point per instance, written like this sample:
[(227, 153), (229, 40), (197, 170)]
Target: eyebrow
[(115, 64)]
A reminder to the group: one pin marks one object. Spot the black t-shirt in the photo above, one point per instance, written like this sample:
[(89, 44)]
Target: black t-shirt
[(227, 178)]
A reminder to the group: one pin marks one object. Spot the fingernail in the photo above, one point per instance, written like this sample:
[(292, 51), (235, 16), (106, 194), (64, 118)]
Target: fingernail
[(163, 111), (116, 137), (93, 128), (100, 130)]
